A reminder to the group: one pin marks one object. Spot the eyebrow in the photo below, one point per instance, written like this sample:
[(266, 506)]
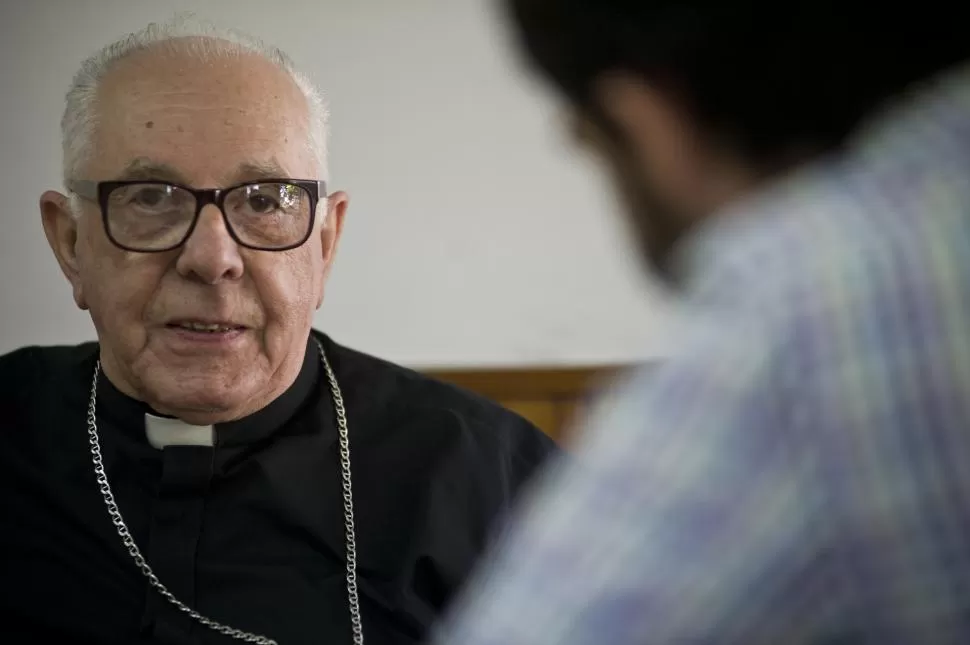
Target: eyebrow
[(146, 169), (252, 170)]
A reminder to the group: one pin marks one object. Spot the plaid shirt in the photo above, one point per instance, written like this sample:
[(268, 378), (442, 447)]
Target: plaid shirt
[(800, 472)]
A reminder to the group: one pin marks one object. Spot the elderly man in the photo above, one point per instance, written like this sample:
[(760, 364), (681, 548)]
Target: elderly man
[(212, 468), (799, 473)]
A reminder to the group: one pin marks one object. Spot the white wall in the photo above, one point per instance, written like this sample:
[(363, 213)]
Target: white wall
[(458, 173)]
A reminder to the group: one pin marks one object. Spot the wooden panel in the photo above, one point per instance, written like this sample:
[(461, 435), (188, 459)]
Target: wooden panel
[(542, 383), (570, 414), (551, 398)]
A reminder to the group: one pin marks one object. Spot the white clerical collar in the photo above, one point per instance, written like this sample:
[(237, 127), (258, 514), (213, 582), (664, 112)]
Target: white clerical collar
[(167, 431)]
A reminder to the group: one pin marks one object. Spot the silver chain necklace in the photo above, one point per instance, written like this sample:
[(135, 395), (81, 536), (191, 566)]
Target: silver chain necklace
[(135, 552)]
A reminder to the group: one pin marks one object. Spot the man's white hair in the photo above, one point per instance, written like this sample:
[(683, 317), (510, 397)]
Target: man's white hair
[(197, 37)]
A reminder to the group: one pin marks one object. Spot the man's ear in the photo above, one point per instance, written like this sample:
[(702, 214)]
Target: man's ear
[(61, 229), (652, 121), (333, 226)]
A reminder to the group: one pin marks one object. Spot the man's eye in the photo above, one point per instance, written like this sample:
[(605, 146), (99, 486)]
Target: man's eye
[(151, 197), (260, 203)]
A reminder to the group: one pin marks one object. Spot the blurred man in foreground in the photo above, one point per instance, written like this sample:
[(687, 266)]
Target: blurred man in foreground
[(800, 473)]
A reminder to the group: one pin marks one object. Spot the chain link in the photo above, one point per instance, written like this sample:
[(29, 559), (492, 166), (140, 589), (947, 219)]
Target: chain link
[(129, 542), (349, 524)]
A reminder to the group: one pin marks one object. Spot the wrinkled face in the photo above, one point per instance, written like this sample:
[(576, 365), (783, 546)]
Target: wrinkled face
[(166, 115)]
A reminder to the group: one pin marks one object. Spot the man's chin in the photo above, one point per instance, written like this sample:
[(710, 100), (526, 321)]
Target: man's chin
[(201, 405)]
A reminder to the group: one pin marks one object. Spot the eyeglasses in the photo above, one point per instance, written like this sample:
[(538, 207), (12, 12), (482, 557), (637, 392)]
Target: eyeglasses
[(157, 216)]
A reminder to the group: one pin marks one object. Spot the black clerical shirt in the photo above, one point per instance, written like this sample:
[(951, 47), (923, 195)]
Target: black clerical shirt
[(250, 531)]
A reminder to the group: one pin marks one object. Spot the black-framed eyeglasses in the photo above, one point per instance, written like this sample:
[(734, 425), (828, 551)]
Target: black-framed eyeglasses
[(157, 216)]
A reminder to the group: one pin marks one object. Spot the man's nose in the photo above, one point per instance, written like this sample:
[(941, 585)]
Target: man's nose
[(210, 255)]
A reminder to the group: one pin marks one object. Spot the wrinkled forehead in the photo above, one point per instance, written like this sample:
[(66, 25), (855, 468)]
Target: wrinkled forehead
[(207, 120)]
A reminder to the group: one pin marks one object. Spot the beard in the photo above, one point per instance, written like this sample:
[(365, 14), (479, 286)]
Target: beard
[(656, 224)]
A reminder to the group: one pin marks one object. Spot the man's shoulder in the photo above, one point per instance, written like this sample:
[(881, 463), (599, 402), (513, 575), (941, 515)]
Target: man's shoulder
[(408, 392), (47, 356), (26, 367)]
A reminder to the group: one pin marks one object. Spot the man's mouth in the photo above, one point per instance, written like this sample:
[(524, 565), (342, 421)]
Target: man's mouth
[(208, 328)]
